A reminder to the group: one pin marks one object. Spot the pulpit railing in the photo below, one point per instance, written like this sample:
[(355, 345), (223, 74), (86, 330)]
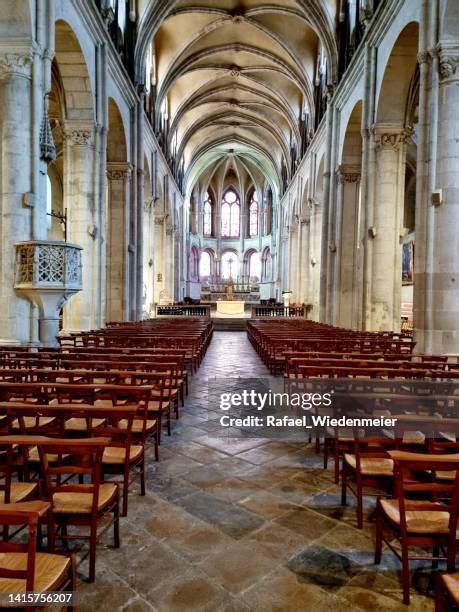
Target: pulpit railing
[(186, 310), (48, 264), (259, 312)]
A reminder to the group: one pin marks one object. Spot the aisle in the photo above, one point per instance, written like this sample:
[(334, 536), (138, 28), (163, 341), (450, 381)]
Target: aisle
[(238, 525)]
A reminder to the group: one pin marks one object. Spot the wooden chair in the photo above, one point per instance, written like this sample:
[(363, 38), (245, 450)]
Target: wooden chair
[(368, 466), (82, 505), (13, 492), (123, 457), (423, 513), (22, 568), (447, 592)]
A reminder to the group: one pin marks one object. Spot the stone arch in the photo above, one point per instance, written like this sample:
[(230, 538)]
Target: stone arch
[(350, 232), (393, 95), (266, 267), (79, 103), (395, 118), (85, 224), (118, 175), (193, 264), (213, 271)]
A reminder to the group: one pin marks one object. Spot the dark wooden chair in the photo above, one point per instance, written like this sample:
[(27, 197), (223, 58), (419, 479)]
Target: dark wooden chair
[(124, 456), (423, 513), (82, 505), (368, 466)]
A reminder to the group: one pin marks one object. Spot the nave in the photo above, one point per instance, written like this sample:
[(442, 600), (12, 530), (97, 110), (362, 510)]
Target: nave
[(129, 418), (239, 525)]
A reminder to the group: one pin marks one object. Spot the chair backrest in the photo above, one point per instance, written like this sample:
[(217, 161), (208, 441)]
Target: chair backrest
[(28, 514), (409, 485), (370, 446), (74, 458), (6, 465)]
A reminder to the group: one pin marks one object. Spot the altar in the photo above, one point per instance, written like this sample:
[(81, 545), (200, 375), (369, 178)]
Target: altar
[(232, 308)]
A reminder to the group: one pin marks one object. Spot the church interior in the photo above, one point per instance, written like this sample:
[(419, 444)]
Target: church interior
[(205, 201)]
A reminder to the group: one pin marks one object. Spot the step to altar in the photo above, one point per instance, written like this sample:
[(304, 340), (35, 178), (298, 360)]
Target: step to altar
[(229, 324)]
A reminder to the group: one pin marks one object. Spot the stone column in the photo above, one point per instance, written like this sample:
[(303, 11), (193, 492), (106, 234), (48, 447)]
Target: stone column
[(444, 303), (81, 312), (149, 258), (159, 257), (118, 176), (386, 283), (293, 258), (169, 257), (284, 259), (303, 259), (16, 201), (349, 245)]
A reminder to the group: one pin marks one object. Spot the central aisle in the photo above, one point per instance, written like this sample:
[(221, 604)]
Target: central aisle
[(238, 525)]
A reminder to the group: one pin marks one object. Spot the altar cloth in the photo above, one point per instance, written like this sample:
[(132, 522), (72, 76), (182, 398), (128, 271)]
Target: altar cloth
[(233, 307)]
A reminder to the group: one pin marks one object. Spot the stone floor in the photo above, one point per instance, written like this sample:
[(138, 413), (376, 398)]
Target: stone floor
[(252, 524)]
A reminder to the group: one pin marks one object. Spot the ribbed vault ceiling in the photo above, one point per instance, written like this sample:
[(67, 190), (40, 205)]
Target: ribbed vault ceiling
[(237, 77)]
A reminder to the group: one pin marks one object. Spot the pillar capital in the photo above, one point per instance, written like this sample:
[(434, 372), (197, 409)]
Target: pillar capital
[(390, 136), (448, 62), (79, 133), (16, 63), (119, 171), (348, 174)]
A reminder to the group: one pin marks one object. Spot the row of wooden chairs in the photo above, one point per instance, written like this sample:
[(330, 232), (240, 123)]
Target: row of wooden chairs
[(75, 424)]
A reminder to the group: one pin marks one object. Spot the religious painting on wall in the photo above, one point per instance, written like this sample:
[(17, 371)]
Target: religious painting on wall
[(407, 263)]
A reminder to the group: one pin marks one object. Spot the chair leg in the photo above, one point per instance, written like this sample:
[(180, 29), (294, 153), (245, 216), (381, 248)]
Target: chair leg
[(72, 585), (92, 553), (359, 504), (405, 574), (435, 553), (125, 494), (378, 543), (344, 486), (169, 422), (157, 433), (116, 526), (336, 457), (317, 444), (142, 476)]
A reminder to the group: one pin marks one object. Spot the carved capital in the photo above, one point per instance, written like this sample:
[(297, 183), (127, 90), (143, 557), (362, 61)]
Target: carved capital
[(448, 62), (424, 57), (76, 134), (118, 171), (390, 137), (348, 174), (448, 68), (16, 64)]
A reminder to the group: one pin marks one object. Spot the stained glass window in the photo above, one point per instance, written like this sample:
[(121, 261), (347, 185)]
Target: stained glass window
[(230, 214), (255, 267), (230, 265), (207, 215), (253, 215), (204, 265)]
